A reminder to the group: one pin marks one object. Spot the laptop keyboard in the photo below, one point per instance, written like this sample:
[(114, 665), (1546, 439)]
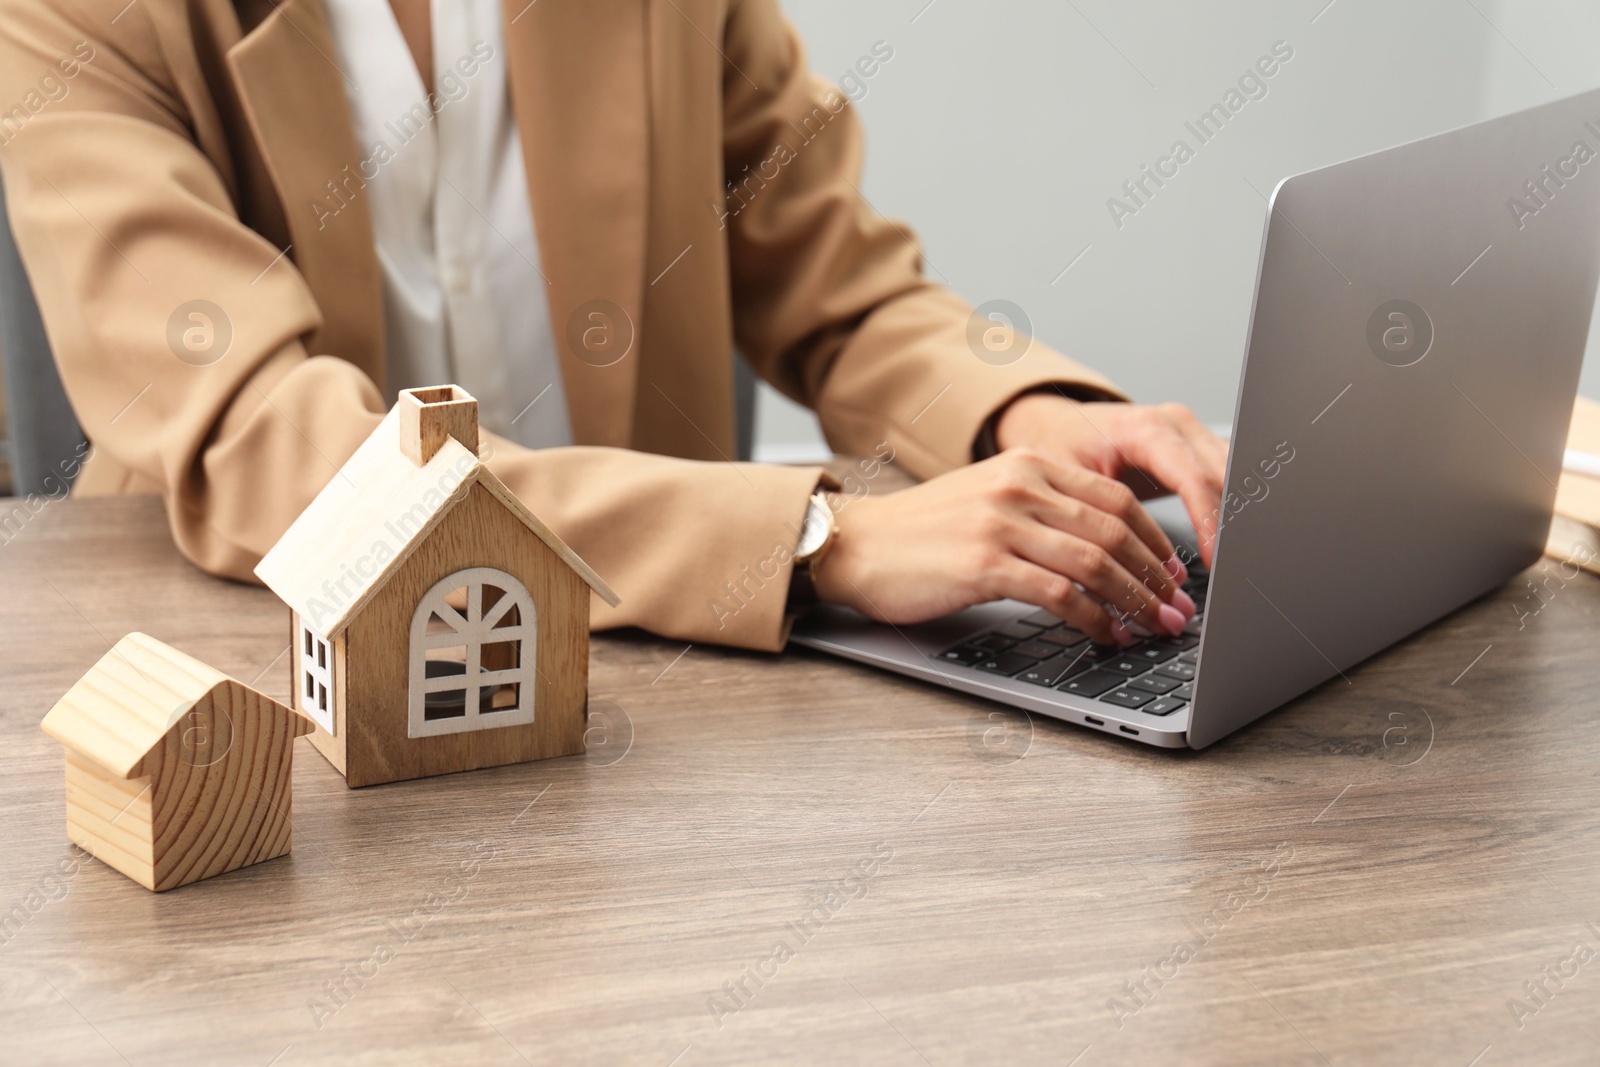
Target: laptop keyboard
[(1154, 675)]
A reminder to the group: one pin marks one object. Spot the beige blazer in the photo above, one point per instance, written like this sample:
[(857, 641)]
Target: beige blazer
[(166, 152)]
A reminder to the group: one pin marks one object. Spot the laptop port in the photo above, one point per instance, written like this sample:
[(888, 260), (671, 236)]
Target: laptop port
[(1130, 730), (1091, 718)]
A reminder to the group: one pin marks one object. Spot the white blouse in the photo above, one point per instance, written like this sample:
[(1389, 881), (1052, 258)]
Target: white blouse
[(464, 300)]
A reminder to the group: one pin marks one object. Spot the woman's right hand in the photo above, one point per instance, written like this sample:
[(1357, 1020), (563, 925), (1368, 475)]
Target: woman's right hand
[(1015, 526)]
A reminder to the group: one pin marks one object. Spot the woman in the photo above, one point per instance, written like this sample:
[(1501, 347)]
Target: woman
[(249, 224)]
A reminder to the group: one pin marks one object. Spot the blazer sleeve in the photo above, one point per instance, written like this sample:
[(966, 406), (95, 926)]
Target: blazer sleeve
[(830, 304), (122, 219)]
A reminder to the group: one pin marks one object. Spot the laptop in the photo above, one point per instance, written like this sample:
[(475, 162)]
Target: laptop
[(1418, 328)]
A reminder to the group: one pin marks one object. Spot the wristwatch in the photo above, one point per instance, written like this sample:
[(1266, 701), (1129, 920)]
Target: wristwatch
[(817, 535)]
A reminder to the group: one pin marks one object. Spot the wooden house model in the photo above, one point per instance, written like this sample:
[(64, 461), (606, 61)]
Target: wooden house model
[(175, 771), (436, 624)]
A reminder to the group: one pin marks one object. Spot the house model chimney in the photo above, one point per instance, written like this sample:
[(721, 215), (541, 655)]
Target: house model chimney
[(428, 416)]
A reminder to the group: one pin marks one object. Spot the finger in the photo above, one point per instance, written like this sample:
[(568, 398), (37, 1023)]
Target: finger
[(1113, 498), (1098, 570), (1019, 579), (1213, 454), (1212, 450), (1168, 455), (1216, 450), (1081, 520), (1095, 507)]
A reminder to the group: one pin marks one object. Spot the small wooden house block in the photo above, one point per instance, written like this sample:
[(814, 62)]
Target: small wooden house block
[(436, 624), (175, 771)]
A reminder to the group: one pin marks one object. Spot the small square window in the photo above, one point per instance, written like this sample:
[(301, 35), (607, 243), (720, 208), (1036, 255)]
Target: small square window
[(499, 698), (446, 703), (500, 655)]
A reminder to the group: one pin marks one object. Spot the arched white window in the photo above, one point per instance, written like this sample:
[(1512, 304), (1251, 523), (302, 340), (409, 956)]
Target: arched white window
[(472, 655)]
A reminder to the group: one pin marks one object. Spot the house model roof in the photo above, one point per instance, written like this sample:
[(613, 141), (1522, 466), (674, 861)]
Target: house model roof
[(128, 701), (376, 511)]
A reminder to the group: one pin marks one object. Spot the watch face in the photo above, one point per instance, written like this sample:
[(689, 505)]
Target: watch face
[(813, 533)]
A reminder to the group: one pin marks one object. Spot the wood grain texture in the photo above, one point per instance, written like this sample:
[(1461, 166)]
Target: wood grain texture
[(487, 479), (429, 416), (128, 701), (174, 771), (219, 787), (111, 819), (586, 910), (478, 532), (412, 506)]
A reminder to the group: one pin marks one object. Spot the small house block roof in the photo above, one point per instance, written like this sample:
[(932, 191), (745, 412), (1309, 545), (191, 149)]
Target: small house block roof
[(128, 701), (379, 507)]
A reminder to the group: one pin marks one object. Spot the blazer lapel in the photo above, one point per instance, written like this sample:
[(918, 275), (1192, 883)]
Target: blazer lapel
[(293, 95), (578, 77)]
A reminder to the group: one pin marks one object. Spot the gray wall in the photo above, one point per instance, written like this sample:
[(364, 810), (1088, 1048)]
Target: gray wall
[(1000, 128)]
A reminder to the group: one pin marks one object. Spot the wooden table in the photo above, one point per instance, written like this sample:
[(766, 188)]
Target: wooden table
[(1368, 876)]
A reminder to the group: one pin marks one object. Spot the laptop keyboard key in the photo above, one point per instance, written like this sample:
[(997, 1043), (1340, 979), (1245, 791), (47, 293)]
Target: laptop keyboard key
[(1128, 698), (967, 654), (1156, 652), (1092, 684), (1018, 631), (1191, 656), (993, 642), (1036, 649), (1183, 692), (1183, 672), (1181, 643), (1164, 706), (1128, 665), (1065, 636), (1006, 663), (1079, 660), (1192, 627), (1155, 683), (1053, 671), (1040, 618)]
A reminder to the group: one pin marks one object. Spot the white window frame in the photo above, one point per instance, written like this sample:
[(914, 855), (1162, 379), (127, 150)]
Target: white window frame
[(472, 630), (315, 684)]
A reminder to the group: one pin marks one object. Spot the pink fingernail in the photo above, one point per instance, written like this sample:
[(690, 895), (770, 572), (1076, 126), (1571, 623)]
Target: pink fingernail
[(1175, 569), (1184, 603), (1172, 619), (1120, 633)]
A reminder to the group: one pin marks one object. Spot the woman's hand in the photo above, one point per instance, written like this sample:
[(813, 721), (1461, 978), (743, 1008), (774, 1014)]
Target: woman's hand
[(1154, 449), (1019, 525)]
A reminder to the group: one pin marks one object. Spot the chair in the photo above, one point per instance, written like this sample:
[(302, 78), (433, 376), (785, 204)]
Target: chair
[(45, 435)]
